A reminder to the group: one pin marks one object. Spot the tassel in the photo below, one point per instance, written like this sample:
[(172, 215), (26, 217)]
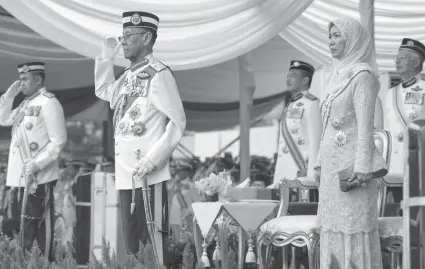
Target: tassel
[(204, 259), (217, 254), (250, 256)]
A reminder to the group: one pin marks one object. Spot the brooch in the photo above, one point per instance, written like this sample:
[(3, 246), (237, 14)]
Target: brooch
[(336, 122), (138, 128), (301, 141), (28, 125), (33, 146), (134, 113), (123, 127), (399, 136), (285, 149), (340, 138)]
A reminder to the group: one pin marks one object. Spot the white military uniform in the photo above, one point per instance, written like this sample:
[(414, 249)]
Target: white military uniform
[(39, 133), (142, 129), (304, 125), (403, 103)]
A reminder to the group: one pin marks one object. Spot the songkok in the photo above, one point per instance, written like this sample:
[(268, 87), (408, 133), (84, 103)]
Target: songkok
[(139, 19), (414, 46), (31, 67), (303, 66)]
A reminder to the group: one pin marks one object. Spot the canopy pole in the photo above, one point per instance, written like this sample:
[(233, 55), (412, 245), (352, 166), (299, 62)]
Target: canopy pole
[(246, 93)]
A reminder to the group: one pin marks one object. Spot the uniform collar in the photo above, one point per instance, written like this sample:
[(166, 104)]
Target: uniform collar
[(298, 96), (411, 81), (37, 93), (145, 61)]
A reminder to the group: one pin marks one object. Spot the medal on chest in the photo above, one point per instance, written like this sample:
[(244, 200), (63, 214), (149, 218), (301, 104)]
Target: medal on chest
[(295, 112), (414, 98), (137, 85)]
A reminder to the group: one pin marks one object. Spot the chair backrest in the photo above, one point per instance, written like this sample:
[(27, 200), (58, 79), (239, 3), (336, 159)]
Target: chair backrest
[(383, 143)]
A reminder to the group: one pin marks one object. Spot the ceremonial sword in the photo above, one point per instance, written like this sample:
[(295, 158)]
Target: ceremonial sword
[(29, 180), (148, 213)]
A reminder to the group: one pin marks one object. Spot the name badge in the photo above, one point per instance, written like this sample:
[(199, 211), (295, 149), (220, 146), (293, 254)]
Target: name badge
[(295, 113), (414, 98)]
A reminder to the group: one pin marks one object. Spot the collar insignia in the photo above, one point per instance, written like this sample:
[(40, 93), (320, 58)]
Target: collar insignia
[(417, 89), (143, 75)]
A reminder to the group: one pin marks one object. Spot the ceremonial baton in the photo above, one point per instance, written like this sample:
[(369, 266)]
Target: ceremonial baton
[(148, 213)]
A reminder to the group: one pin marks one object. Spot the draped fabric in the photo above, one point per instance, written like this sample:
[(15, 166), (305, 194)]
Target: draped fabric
[(394, 20), (192, 33)]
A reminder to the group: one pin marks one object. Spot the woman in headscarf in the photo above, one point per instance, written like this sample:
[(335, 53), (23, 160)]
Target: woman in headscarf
[(348, 160)]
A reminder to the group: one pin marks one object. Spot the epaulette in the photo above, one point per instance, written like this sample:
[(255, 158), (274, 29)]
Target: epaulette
[(157, 65), (48, 94), (310, 97)]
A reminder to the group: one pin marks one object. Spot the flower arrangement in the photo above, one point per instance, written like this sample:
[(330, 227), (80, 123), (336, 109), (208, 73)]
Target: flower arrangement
[(214, 183)]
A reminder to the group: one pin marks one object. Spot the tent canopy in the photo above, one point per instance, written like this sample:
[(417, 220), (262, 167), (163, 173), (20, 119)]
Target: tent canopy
[(201, 46)]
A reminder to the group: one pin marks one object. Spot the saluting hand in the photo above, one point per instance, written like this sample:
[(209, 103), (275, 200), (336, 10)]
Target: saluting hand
[(13, 90), (110, 48)]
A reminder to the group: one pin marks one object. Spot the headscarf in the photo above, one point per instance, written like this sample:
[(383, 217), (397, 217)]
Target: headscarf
[(358, 54)]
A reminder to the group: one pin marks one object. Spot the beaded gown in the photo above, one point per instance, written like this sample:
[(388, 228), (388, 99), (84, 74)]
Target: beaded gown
[(349, 237)]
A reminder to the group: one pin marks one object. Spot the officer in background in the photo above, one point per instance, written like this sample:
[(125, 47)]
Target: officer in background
[(38, 136), (149, 122), (300, 127), (404, 102)]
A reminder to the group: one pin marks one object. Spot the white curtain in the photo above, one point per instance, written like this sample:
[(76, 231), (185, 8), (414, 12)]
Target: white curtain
[(192, 34), (394, 20)]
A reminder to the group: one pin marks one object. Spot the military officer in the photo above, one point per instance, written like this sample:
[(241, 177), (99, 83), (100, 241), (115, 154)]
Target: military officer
[(404, 102), (149, 122), (38, 136), (300, 127)]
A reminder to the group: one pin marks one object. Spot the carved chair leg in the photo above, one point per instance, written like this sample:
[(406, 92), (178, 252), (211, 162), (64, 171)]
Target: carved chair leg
[(393, 260), (293, 257), (285, 257), (398, 260), (267, 259), (261, 254)]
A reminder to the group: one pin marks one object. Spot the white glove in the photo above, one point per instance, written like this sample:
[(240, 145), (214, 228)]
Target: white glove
[(13, 90), (110, 48)]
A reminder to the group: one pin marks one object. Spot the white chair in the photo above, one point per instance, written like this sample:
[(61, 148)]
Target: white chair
[(301, 230), (285, 230)]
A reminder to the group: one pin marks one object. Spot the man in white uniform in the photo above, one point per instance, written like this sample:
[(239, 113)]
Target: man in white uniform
[(404, 102), (149, 122), (300, 127), (38, 136)]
